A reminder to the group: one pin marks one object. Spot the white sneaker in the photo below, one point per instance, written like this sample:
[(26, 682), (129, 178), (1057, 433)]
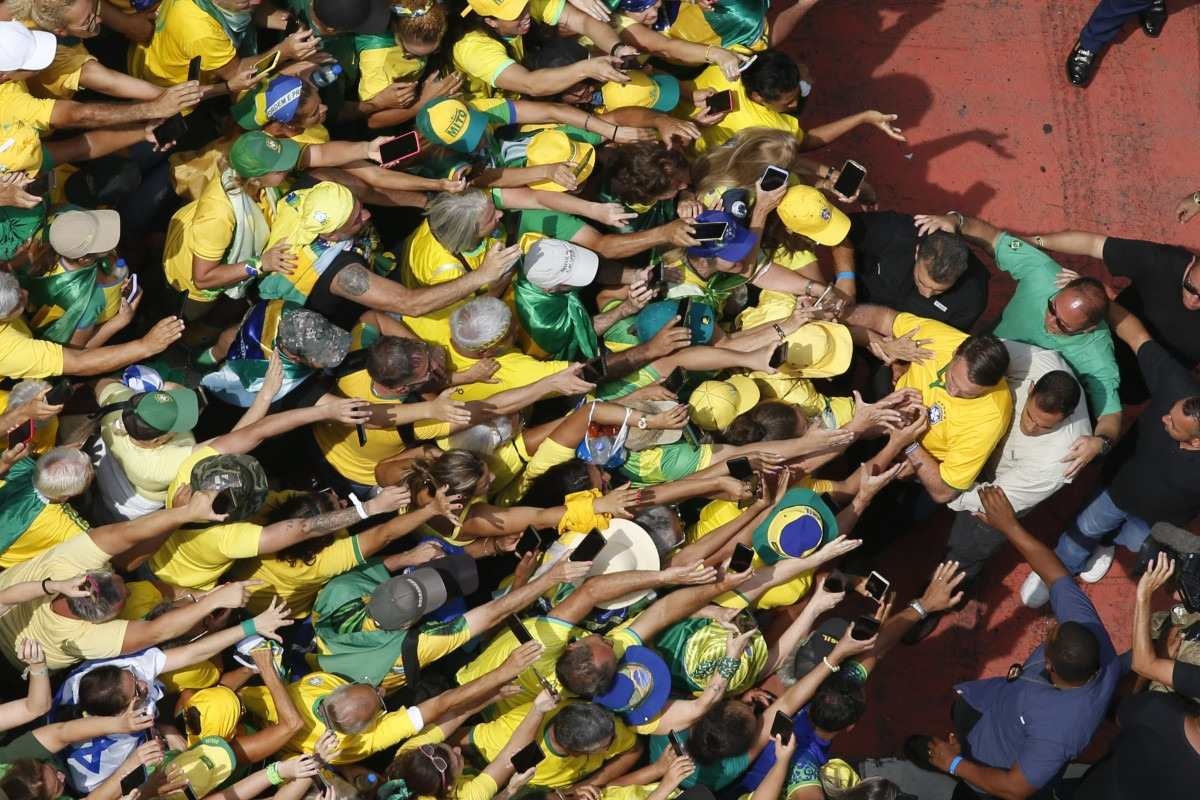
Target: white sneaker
[(1098, 564), (1034, 591)]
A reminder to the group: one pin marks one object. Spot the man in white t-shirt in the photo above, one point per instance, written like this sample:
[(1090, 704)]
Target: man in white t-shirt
[(1049, 413)]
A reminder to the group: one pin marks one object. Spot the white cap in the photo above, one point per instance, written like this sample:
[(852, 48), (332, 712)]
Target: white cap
[(553, 262), (75, 234), (21, 48)]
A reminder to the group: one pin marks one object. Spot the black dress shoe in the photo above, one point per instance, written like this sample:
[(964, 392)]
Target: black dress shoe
[(923, 628), (1154, 17), (1080, 65)]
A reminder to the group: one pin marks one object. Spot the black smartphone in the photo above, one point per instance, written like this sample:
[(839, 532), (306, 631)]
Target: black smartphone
[(361, 430), (685, 311), (850, 179), (676, 745), (527, 757), (530, 541), (674, 381), (629, 62), (223, 502), (877, 586), (293, 24), (658, 281), (835, 583), (518, 629), (743, 555), (133, 780), (783, 727), (772, 178), (21, 434), (721, 101), (864, 628), (403, 147), (594, 369), (39, 186), (172, 130), (690, 434), (590, 547), (59, 393), (778, 357), (194, 69), (740, 468), (709, 231), (188, 793)]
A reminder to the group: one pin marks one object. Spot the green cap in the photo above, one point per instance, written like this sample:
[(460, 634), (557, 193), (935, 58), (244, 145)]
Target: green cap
[(256, 153), (169, 410)]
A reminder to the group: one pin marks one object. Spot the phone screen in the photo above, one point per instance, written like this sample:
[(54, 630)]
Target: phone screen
[(590, 547), (721, 101), (782, 726), (223, 502), (877, 586), (740, 468), (743, 555), (772, 178), (709, 231), (689, 433), (131, 288), (851, 178), (293, 25), (527, 757), (39, 186), (674, 381), (518, 629), (629, 62), (170, 131), (402, 147), (59, 393), (864, 628), (20, 434), (530, 541), (194, 69)]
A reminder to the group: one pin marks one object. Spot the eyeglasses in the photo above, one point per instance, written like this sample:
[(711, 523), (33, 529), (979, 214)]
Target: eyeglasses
[(439, 763), (1058, 321)]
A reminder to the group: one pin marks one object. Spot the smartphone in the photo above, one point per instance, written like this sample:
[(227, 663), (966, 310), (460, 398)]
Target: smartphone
[(361, 430), (59, 393), (629, 62), (403, 147), (783, 727), (590, 547), (39, 186), (674, 381), (835, 583), (527, 757), (658, 281), (685, 310), (877, 586), (22, 434), (740, 468), (772, 178), (518, 629), (851, 178), (530, 541), (188, 793), (689, 433), (194, 69), (710, 231), (293, 24), (778, 357), (720, 102), (676, 745), (594, 370), (821, 300), (133, 780), (743, 555), (223, 502), (171, 130), (864, 628), (266, 64)]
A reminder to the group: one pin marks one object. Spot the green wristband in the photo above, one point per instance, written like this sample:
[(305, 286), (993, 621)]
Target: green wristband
[(273, 774), (248, 628)]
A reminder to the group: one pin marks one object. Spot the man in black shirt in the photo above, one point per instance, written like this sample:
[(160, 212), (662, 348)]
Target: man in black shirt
[(1164, 293), (1155, 482), (935, 277)]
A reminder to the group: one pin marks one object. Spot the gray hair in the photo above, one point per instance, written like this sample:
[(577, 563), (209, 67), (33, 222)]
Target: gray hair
[(10, 294), (344, 711), (660, 522), (62, 472), (454, 218), (25, 391), (105, 600), (479, 324)]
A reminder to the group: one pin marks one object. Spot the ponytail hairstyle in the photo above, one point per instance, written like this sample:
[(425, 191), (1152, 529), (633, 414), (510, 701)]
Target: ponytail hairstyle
[(767, 422), (419, 22), (460, 470)]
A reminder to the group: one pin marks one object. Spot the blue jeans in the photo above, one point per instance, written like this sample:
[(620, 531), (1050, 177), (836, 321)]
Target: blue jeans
[(1107, 20), (1098, 519)]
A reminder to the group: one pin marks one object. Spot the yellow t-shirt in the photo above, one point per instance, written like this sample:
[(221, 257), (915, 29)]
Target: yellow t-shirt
[(183, 475), (56, 523), (149, 470), (65, 641), (556, 771), (21, 355), (182, 31), (425, 262), (745, 114), (60, 80), (143, 598), (380, 67), (306, 693), (962, 432), (481, 58), (196, 558), (339, 442), (17, 105), (298, 584)]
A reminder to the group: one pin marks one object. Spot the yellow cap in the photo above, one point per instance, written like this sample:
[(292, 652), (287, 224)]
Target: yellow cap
[(806, 211), (747, 389), (220, 711), (714, 514), (205, 765), (819, 350), (659, 92), (20, 149), (713, 405), (555, 147), (500, 9)]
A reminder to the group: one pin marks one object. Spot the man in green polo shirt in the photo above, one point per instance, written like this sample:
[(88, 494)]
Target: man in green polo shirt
[(1067, 319)]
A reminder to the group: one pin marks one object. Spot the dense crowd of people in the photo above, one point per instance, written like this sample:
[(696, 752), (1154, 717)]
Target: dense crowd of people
[(472, 399)]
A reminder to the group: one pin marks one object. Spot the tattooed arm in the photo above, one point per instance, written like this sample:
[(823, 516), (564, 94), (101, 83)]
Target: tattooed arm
[(360, 285), (284, 534)]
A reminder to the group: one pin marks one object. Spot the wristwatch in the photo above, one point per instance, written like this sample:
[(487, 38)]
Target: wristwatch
[(959, 220), (1105, 444), (642, 422)]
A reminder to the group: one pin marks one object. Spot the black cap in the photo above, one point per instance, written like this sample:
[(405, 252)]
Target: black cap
[(354, 16), (818, 645)]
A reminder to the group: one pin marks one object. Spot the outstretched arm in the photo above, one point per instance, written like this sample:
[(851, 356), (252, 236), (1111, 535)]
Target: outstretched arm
[(1127, 327), (1146, 662), (1076, 243), (998, 513)]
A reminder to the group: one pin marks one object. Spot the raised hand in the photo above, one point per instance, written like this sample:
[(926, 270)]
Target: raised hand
[(277, 616), (941, 593)]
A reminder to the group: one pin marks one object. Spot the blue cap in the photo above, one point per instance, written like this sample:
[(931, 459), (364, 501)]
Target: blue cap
[(640, 688), (736, 245), (736, 201), (654, 317)]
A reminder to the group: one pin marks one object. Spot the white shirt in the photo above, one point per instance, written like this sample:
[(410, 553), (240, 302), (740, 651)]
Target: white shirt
[(1029, 468)]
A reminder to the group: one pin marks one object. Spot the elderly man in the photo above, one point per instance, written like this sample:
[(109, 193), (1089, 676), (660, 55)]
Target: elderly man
[(35, 512), (1069, 320)]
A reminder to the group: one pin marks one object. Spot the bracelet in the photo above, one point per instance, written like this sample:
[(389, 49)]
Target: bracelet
[(959, 218), (248, 628), (779, 331), (613, 50), (727, 667), (587, 118), (44, 589), (253, 267), (954, 765), (708, 54), (844, 276), (273, 774), (808, 286), (830, 665), (911, 448), (916, 606), (36, 672), (358, 506)]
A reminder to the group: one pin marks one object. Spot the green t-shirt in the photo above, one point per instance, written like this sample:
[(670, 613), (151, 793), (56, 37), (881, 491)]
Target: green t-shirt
[(553, 224), (1024, 320), (27, 746)]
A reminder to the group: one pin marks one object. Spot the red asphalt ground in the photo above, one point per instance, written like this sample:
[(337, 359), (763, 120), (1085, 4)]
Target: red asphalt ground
[(996, 131)]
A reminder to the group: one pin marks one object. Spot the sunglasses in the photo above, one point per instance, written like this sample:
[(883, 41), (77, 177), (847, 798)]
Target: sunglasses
[(439, 763), (1058, 321)]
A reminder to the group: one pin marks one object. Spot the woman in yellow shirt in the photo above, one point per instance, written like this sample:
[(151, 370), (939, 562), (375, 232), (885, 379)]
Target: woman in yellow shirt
[(645, 24)]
